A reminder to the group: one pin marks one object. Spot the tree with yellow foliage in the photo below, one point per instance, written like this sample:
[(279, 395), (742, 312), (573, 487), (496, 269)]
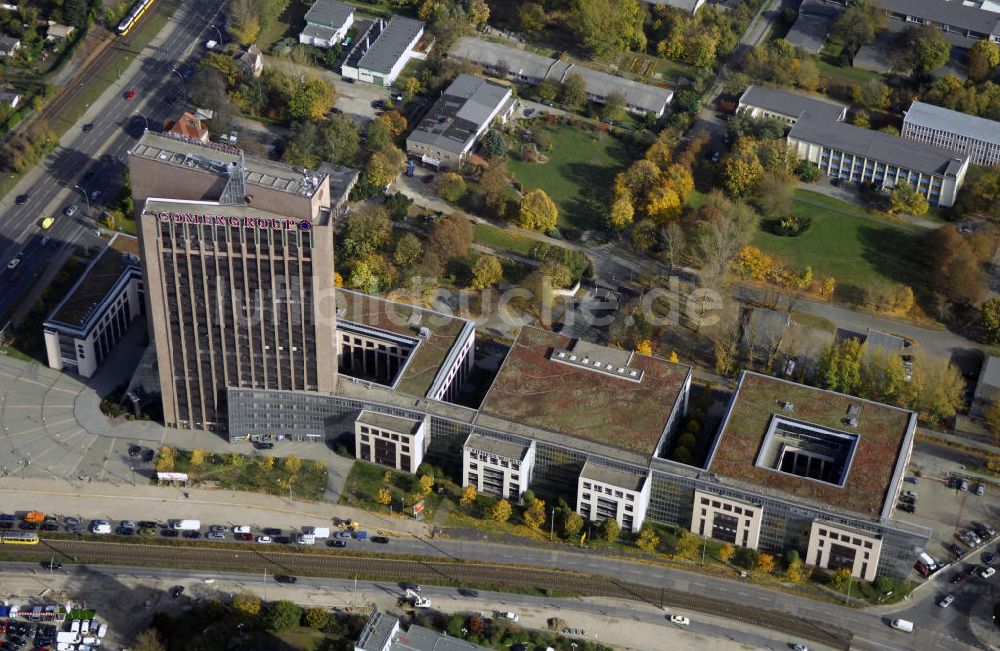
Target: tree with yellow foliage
[(726, 552), (395, 121), (534, 515), (644, 347), (661, 152), (384, 497), (673, 357), (648, 540), (468, 496), (663, 204), (501, 511), (266, 462), (621, 212), (753, 263), (426, 485), (198, 456), (765, 563), (538, 212)]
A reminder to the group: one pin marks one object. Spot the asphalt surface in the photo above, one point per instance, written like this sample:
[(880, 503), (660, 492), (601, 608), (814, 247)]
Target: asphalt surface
[(94, 159), (138, 593)]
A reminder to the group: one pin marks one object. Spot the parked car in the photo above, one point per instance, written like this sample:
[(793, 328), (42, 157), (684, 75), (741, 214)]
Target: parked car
[(946, 601), (215, 535), (381, 540), (285, 578), (51, 565), (134, 451), (912, 480), (961, 576), (907, 507), (980, 489), (680, 619), (336, 543), (468, 592), (344, 535), (170, 533), (955, 549), (264, 540), (71, 210), (21, 199), (989, 557), (176, 591), (243, 536), (963, 484), (911, 494), (272, 531), (263, 445), (987, 572)]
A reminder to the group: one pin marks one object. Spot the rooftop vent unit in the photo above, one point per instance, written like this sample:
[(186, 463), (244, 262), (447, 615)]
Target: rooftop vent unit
[(425, 332), (787, 406), (851, 422), (414, 321), (586, 362), (853, 411), (341, 312)]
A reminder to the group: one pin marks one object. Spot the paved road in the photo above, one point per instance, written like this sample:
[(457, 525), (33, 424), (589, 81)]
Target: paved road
[(76, 167), (119, 595)]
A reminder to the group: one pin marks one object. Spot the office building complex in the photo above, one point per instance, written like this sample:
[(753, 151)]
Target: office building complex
[(976, 137), (95, 314), (238, 264), (763, 102), (383, 632), (498, 468), (605, 492), (447, 134)]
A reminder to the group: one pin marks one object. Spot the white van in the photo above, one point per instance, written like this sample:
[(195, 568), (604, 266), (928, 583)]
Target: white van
[(904, 625), (241, 528), (317, 532), (84, 627), (186, 525), (306, 539), (74, 626)]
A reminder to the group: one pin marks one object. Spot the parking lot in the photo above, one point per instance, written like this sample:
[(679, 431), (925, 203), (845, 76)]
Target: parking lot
[(949, 510)]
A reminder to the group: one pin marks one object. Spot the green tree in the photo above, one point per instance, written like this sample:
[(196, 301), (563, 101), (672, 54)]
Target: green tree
[(856, 27), (283, 615), (500, 511), (574, 90), (384, 165), (75, 13), (534, 515), (494, 144), (840, 366), (906, 200), (377, 135), (548, 90), (648, 540), (538, 212), (984, 56), (990, 315), (615, 107), (317, 618), (796, 572), (486, 271), (861, 119), (247, 604), (775, 193), (610, 529), (607, 27), (922, 49), (936, 387), (557, 273), (572, 523), (398, 205), (451, 187), (368, 231), (687, 546), (314, 99), (339, 140), (531, 18), (408, 251), (244, 21)]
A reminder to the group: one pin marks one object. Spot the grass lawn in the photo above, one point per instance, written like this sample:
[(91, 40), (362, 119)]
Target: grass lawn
[(501, 240), (843, 241), (366, 479), (578, 175), (290, 23), (828, 64), (696, 199), (246, 473)]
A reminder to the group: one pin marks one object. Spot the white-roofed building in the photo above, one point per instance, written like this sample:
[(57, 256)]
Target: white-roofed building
[(383, 50), (961, 132), (327, 22)]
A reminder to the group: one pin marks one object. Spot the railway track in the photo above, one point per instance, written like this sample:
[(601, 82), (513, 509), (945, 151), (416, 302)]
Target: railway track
[(432, 571)]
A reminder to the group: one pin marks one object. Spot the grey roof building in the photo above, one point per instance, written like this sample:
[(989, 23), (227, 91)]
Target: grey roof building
[(862, 155), (9, 46), (451, 128), (952, 17), (383, 633), (960, 132), (527, 67), (327, 22), (812, 25), (342, 180), (767, 102), (987, 388), (381, 52)]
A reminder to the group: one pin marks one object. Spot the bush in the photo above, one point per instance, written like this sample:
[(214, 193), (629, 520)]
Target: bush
[(790, 226), (283, 615), (316, 618), (745, 557)]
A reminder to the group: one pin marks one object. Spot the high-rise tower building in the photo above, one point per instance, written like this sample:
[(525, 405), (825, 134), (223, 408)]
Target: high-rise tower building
[(237, 255)]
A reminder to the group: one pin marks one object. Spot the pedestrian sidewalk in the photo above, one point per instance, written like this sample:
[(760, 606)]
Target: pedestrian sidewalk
[(162, 503)]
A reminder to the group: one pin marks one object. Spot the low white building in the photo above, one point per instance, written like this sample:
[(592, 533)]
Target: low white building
[(727, 519), (498, 468), (764, 102), (95, 314), (327, 23), (391, 441), (383, 50), (959, 132), (604, 492)]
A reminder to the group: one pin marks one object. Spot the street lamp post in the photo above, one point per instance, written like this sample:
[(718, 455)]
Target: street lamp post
[(144, 120), (84, 193), (217, 32), (132, 468)]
